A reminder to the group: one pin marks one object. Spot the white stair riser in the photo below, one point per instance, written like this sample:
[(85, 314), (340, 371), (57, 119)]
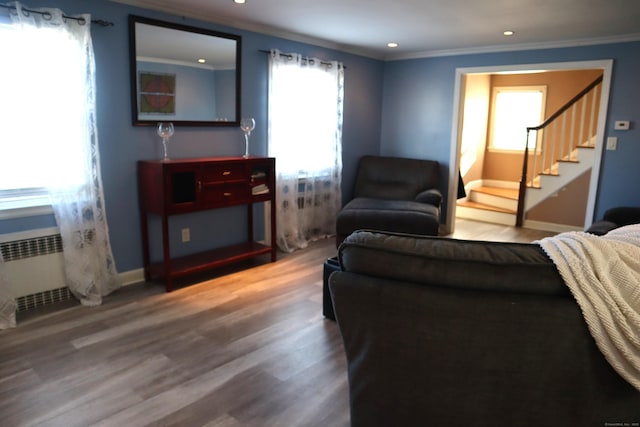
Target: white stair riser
[(492, 200), (485, 215)]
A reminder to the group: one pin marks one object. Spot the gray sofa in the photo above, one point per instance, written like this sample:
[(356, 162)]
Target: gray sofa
[(466, 333), (393, 194)]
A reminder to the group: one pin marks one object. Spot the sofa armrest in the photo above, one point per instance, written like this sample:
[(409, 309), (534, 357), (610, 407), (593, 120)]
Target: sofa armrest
[(623, 215), (600, 228), (453, 263), (433, 196)]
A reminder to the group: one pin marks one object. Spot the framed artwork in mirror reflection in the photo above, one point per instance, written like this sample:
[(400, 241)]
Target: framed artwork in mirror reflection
[(157, 93)]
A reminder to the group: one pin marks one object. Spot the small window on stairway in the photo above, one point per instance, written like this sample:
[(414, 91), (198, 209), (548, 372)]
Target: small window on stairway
[(513, 109)]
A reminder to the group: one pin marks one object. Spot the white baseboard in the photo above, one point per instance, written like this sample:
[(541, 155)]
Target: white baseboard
[(482, 215), (131, 277)]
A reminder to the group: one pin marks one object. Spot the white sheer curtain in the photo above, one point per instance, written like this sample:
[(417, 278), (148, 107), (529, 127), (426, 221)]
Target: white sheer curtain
[(57, 78), (305, 136)]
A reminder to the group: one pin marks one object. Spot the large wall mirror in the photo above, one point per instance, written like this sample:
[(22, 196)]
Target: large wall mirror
[(181, 74)]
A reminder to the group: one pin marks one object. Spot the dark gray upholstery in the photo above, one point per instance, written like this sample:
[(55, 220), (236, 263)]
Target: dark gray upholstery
[(393, 194), (614, 218), (464, 333)]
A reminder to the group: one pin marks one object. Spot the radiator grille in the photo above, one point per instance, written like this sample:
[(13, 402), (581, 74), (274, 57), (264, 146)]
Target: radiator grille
[(43, 298), (31, 248), (27, 248)]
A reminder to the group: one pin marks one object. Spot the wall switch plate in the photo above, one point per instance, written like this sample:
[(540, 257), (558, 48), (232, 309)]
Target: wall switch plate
[(186, 235), (621, 125), (612, 143)]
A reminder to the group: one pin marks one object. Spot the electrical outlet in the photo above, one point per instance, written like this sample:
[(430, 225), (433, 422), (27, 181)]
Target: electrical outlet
[(186, 235), (612, 143), (621, 125)]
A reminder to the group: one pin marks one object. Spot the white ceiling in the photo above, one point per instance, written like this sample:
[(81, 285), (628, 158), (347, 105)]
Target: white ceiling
[(421, 27)]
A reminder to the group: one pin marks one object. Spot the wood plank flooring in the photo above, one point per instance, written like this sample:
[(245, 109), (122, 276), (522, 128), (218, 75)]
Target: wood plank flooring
[(244, 346), (477, 230)]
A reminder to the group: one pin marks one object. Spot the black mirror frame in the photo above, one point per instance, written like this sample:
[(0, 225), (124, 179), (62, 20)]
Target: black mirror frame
[(133, 19)]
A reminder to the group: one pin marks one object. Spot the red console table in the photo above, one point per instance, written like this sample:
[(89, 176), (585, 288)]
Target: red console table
[(173, 187)]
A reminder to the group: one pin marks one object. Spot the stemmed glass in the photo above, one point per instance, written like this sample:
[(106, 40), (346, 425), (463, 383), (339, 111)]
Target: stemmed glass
[(165, 131), (247, 125)]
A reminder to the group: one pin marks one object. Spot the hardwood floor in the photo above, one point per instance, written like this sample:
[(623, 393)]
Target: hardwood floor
[(248, 347), (476, 230)]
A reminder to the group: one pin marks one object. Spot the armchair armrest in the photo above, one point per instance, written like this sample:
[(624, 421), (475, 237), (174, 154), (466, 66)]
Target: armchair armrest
[(432, 196)]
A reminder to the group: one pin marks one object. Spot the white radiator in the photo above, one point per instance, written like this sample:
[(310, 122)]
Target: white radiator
[(34, 267)]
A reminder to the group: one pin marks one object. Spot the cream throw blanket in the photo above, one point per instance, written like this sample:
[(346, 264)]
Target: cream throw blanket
[(603, 274)]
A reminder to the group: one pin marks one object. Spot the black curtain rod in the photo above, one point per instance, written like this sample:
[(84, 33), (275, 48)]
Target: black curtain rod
[(48, 16), (303, 58)]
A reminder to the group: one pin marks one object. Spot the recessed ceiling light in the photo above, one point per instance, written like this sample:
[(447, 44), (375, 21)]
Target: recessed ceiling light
[(239, 1), (508, 33), (392, 44), (202, 60)]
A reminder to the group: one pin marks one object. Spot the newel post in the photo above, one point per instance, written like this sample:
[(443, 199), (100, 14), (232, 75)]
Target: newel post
[(523, 185)]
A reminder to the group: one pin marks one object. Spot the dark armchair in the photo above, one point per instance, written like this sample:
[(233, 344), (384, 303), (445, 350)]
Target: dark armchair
[(393, 194)]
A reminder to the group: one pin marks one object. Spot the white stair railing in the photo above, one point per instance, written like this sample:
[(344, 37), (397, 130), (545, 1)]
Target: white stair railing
[(557, 139)]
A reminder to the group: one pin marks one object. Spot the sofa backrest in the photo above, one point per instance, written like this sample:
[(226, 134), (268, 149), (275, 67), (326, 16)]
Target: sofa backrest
[(395, 178)]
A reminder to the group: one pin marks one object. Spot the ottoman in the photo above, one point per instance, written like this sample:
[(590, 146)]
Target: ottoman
[(400, 216), (330, 265)]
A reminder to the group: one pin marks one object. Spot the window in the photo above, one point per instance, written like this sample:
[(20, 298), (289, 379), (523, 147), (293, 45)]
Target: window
[(305, 117), (41, 95), (513, 110), (306, 97)]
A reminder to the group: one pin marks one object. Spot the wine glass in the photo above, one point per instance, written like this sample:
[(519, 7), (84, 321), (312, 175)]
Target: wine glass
[(247, 125), (165, 131)]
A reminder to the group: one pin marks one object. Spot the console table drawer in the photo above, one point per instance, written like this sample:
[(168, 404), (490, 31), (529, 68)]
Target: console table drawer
[(224, 172), (228, 193)]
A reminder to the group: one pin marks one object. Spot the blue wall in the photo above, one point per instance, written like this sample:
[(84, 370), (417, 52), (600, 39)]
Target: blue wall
[(418, 109), (401, 108)]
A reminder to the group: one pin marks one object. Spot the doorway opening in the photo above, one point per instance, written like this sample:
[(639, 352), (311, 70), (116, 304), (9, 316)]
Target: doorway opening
[(479, 164)]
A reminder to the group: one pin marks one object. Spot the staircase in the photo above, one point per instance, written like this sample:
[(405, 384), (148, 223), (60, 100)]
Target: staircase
[(490, 203), (497, 202), (564, 152)]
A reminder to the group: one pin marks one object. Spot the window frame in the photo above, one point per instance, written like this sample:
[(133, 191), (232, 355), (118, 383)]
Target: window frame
[(492, 118), (24, 202)]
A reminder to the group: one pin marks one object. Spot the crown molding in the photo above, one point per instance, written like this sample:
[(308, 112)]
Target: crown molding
[(516, 47)]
